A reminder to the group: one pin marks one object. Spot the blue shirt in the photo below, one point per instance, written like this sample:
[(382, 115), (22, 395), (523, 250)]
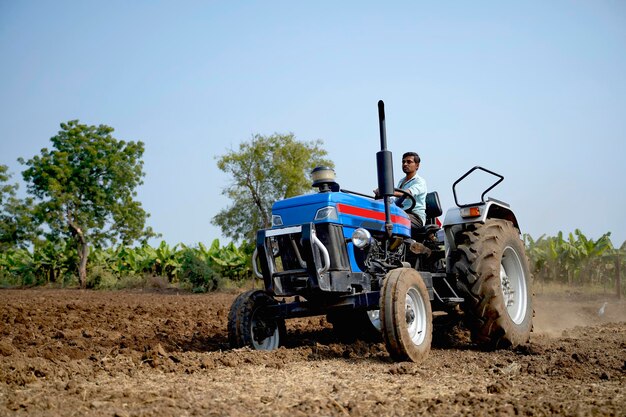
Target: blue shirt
[(417, 187)]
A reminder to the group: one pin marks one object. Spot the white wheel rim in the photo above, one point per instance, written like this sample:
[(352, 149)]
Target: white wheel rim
[(513, 285), (374, 316), (415, 313), (269, 343)]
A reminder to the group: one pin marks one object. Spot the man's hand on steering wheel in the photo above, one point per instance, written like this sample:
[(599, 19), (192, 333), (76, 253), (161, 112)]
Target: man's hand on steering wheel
[(405, 195)]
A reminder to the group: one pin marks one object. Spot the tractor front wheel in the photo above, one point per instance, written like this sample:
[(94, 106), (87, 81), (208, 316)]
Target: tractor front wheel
[(249, 323), (406, 316)]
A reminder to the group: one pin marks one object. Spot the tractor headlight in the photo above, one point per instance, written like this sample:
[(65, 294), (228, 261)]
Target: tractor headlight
[(361, 238), (326, 213), (277, 220)]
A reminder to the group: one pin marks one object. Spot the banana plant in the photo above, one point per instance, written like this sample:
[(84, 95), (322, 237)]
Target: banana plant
[(229, 261), (537, 253), (125, 261), (166, 262), (577, 259), (16, 263), (50, 261)]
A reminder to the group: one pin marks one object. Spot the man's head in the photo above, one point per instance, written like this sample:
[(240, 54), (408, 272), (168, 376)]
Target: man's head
[(410, 163)]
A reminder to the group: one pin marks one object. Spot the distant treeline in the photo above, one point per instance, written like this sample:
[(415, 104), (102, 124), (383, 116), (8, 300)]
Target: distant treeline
[(199, 268), (574, 260), (577, 260)]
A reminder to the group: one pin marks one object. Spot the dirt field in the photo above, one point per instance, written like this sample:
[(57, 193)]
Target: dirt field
[(146, 353)]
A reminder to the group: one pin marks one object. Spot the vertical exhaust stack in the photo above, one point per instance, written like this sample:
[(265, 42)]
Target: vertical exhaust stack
[(384, 165)]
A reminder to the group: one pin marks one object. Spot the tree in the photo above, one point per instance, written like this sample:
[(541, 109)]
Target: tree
[(18, 227), (85, 188), (263, 170), (6, 190)]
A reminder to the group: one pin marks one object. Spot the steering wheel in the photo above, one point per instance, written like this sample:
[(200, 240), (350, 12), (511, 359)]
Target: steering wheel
[(405, 195)]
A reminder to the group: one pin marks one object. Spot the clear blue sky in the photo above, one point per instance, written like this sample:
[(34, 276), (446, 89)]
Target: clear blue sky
[(535, 90)]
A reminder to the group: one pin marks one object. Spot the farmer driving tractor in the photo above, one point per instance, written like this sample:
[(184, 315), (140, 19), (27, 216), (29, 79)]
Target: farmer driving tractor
[(416, 186)]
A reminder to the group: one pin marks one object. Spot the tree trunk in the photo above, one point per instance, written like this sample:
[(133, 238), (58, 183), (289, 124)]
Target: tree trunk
[(570, 281), (83, 254), (618, 279)]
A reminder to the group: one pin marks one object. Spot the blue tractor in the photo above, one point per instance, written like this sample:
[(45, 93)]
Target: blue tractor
[(355, 259)]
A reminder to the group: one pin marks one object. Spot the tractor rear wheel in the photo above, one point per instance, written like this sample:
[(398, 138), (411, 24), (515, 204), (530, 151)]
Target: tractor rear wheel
[(406, 315), (495, 280), (249, 323)]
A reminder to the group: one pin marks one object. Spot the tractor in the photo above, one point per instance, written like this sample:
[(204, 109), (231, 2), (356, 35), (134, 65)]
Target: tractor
[(355, 259)]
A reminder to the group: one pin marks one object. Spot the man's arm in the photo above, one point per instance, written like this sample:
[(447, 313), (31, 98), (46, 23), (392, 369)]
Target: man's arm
[(395, 193), (418, 187)]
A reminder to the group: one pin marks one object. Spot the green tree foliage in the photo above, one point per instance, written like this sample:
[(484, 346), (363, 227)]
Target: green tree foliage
[(17, 225), (6, 190), (264, 170), (85, 187)]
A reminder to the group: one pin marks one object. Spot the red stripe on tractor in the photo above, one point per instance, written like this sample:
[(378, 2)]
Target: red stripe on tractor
[(371, 214)]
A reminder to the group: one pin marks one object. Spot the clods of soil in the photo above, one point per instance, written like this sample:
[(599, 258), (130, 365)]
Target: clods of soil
[(150, 353)]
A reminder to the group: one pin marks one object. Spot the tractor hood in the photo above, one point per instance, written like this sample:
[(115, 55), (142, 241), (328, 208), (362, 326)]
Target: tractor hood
[(350, 210)]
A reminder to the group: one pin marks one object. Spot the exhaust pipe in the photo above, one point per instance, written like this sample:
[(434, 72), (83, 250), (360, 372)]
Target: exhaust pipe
[(384, 165)]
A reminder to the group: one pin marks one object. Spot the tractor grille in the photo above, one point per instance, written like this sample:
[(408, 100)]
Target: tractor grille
[(332, 237), (295, 263)]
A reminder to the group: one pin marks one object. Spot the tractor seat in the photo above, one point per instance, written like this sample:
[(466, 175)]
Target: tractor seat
[(433, 210), (433, 206)]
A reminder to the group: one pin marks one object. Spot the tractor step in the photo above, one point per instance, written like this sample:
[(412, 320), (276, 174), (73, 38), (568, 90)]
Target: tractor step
[(291, 272), (452, 300)]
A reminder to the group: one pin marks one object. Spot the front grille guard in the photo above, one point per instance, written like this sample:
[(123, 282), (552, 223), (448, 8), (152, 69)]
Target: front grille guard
[(310, 264)]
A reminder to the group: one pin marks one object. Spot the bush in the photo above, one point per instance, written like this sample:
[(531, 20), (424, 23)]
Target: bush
[(198, 273), (100, 278), (9, 281), (131, 281)]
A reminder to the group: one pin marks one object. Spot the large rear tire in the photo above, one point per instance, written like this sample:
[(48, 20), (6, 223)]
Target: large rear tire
[(250, 325), (406, 315), (494, 277)]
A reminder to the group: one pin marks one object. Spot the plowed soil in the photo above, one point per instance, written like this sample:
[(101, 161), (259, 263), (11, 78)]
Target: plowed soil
[(160, 353)]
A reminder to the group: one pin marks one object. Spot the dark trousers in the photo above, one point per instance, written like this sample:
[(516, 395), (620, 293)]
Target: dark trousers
[(416, 223)]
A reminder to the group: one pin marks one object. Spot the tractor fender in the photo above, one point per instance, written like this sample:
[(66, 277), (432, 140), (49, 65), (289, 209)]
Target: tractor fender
[(490, 209)]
